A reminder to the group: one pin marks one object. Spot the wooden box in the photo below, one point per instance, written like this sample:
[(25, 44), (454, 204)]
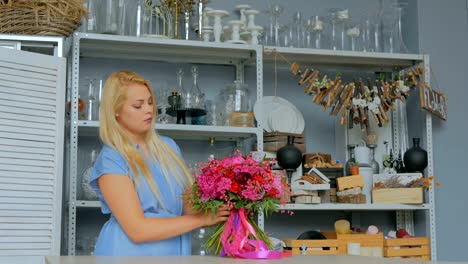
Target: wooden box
[(417, 248), (398, 196), (312, 247), (272, 141)]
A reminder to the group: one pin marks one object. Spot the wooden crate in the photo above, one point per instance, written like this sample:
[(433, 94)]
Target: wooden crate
[(313, 247), (398, 195), (372, 241), (417, 248), (272, 141)]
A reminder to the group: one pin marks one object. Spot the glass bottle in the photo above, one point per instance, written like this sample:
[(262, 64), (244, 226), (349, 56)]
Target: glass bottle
[(91, 102), (298, 30), (374, 164), (212, 149), (350, 160), (163, 117), (186, 96), (275, 13), (174, 100), (400, 44), (197, 95), (317, 29), (88, 193), (333, 28), (198, 242)]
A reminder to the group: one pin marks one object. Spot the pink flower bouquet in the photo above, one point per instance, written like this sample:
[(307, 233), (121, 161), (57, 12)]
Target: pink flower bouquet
[(248, 187)]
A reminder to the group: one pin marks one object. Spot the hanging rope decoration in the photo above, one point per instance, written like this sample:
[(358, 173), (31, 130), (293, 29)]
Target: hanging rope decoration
[(357, 101)]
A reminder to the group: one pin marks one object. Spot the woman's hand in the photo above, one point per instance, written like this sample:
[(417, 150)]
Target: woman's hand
[(188, 206), (210, 218)]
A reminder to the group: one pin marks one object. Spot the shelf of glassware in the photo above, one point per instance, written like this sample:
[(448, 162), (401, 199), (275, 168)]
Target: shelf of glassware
[(180, 131), (377, 61), (356, 207), (157, 49)]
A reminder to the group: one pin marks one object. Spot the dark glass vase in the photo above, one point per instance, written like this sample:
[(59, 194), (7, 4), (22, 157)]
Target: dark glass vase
[(289, 157), (415, 158)]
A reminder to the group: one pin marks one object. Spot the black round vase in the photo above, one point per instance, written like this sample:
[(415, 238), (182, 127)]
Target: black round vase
[(415, 158), (289, 157)]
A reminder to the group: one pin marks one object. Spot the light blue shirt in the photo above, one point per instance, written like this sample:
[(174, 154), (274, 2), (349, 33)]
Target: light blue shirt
[(112, 240)]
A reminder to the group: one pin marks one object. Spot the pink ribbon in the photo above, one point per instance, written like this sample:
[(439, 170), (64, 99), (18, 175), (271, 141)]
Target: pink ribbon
[(236, 242)]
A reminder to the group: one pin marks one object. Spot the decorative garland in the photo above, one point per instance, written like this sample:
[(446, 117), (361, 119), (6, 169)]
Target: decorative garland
[(357, 101)]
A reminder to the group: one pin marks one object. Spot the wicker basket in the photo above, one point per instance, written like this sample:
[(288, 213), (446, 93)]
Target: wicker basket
[(41, 17)]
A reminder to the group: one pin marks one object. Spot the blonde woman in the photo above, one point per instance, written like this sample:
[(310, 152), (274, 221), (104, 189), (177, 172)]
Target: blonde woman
[(140, 177)]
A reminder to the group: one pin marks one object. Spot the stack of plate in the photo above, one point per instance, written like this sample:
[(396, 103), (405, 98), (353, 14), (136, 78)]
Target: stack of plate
[(278, 114)]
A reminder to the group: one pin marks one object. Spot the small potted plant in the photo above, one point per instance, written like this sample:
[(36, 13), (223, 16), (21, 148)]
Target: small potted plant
[(354, 168)]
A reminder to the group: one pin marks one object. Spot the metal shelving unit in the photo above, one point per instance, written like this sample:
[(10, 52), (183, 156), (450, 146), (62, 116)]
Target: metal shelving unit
[(376, 62), (150, 49), (147, 49)]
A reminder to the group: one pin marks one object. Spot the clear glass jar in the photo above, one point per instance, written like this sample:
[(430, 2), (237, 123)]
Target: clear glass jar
[(238, 95)]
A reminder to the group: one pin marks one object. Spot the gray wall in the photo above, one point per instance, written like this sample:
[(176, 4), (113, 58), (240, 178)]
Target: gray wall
[(443, 33)]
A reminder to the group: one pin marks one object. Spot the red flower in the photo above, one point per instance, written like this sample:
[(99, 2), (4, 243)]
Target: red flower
[(235, 187), (229, 174), (258, 178), (273, 192)]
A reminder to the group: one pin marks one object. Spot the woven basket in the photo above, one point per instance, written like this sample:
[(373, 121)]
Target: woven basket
[(41, 17)]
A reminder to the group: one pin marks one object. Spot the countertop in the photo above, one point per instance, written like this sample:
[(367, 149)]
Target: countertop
[(219, 260)]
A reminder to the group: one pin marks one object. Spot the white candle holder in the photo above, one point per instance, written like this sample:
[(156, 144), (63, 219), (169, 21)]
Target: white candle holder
[(255, 32), (218, 25), (235, 31), (206, 33), (242, 9), (251, 17), (226, 33), (246, 36), (206, 17)]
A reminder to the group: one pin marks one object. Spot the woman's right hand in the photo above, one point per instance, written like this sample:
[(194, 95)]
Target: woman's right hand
[(209, 219)]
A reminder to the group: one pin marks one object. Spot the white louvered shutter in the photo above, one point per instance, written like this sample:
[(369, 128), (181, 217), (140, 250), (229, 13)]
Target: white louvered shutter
[(32, 88)]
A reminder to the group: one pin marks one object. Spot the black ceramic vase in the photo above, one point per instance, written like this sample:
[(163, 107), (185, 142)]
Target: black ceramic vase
[(415, 158), (289, 157)]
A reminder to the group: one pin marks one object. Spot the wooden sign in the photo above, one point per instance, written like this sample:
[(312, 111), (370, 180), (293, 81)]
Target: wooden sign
[(432, 101)]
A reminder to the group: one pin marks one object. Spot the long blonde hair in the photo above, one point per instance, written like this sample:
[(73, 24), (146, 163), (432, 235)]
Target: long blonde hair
[(116, 136)]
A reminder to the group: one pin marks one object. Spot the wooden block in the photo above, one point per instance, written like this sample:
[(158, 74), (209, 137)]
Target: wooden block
[(333, 199), (325, 196), (305, 199), (352, 191), (352, 199), (397, 195), (350, 182), (332, 191)]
